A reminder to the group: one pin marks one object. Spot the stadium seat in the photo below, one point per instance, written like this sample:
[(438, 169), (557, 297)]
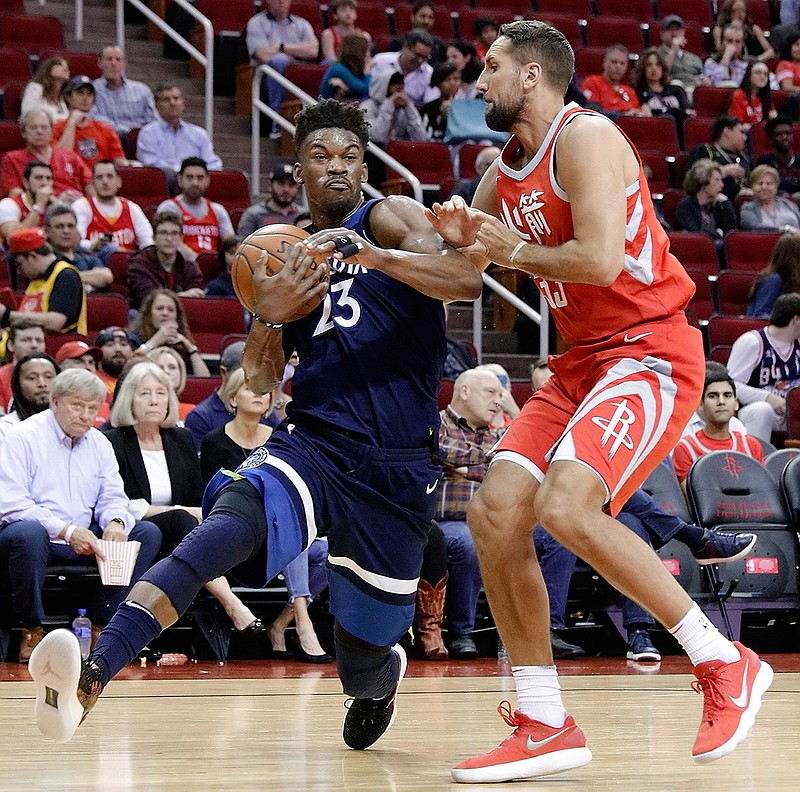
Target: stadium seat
[(198, 388), (209, 266), (669, 202), (793, 413), (231, 14), (606, 31), (639, 9), (759, 12), (702, 302), (749, 250), (79, 62), (429, 161), (724, 330), (12, 101), (733, 492), (10, 137), (143, 186), (118, 264), (105, 310), (696, 131), (54, 341), (307, 77), (657, 135), (230, 188), (212, 318), (565, 21), (733, 289), (15, 65), (778, 460), (710, 101), (582, 9), (694, 251), (789, 482), (34, 34), (760, 142), (231, 338), (467, 155), (589, 60), (699, 11)]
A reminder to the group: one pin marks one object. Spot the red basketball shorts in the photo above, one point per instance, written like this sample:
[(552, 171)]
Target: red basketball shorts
[(618, 407)]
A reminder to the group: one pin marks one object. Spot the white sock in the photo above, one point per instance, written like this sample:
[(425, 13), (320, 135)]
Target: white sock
[(539, 694), (701, 640)]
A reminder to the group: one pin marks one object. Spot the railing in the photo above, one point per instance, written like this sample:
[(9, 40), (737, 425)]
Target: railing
[(259, 107), (206, 61)]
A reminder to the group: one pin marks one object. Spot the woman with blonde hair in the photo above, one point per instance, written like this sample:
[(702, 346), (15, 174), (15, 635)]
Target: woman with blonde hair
[(43, 92), (161, 472), (780, 276), (162, 322), (768, 211), (306, 577), (169, 360)]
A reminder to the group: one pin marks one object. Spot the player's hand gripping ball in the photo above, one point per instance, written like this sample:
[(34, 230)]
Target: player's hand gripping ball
[(270, 244)]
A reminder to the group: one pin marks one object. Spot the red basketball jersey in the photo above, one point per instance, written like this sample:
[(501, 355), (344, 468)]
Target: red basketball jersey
[(121, 230), (652, 285), (25, 208), (200, 234)]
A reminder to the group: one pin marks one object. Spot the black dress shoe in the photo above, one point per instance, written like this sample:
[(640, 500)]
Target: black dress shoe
[(302, 656), (254, 628), (563, 650)]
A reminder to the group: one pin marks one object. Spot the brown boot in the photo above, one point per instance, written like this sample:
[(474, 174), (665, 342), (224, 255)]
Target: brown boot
[(430, 610), (31, 638)]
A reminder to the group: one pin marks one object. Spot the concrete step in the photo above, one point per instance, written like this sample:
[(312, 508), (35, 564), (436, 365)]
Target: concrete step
[(517, 366), (459, 317), (493, 341)]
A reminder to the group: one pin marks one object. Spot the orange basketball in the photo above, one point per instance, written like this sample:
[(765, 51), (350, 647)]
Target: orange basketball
[(272, 245)]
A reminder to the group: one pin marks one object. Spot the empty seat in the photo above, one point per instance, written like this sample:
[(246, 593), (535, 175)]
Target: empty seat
[(211, 319), (639, 9), (565, 21), (10, 137), (694, 251), (606, 31), (653, 135), (198, 388), (702, 302), (15, 65), (589, 60), (105, 310), (79, 62), (710, 101), (696, 131), (724, 330), (733, 289), (699, 11), (778, 460), (429, 161), (580, 8), (144, 186), (306, 76), (34, 34), (230, 188), (659, 181), (12, 100), (749, 250)]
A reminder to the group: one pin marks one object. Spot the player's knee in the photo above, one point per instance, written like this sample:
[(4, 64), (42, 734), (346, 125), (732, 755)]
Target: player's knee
[(482, 518), (560, 514)]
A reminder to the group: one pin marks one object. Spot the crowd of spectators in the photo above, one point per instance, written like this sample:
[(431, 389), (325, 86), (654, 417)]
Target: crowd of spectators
[(116, 402)]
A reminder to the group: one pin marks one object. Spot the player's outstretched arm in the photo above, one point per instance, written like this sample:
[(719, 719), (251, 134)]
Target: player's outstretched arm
[(410, 251)]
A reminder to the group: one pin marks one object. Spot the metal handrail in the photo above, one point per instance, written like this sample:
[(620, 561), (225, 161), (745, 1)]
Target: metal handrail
[(206, 61), (259, 106)]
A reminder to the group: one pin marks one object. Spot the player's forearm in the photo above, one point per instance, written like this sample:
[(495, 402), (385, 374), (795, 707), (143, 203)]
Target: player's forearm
[(263, 360), (572, 262), (444, 276)]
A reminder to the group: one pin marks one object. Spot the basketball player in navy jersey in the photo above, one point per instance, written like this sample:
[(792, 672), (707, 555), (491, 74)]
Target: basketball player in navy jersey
[(355, 458)]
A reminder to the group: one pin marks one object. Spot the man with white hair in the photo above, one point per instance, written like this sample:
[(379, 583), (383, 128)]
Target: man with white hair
[(60, 491)]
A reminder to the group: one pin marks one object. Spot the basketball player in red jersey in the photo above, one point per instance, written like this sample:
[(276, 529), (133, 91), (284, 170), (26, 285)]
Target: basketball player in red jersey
[(567, 202)]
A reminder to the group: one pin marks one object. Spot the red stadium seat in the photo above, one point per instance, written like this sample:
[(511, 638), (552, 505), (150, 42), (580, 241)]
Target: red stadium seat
[(34, 34), (694, 251), (54, 341), (12, 101), (198, 388), (696, 131), (230, 15), (580, 8), (10, 136), (606, 31), (702, 303), (467, 155), (372, 17), (15, 65), (760, 142), (639, 9), (230, 188), (724, 330), (231, 338), (118, 264), (429, 161), (690, 10), (105, 310), (749, 251), (793, 413), (733, 290), (589, 60), (79, 62), (659, 181), (209, 266), (711, 102), (143, 186), (657, 135), (759, 12), (306, 76), (565, 21), (311, 11), (211, 319), (669, 201)]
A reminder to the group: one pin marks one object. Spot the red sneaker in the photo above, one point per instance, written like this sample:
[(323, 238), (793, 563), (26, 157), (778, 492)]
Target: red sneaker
[(534, 749), (732, 698)]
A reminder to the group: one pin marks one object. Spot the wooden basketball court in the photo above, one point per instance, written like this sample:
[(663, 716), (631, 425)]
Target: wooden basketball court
[(277, 726)]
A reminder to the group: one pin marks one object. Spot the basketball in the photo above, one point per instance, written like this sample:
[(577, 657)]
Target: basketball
[(272, 245)]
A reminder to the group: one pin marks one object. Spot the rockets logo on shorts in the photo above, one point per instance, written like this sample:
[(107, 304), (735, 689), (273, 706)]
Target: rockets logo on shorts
[(616, 427), (256, 459)]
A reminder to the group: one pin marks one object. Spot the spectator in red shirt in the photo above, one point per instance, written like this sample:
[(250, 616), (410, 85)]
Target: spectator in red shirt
[(90, 139), (718, 406), (608, 91), (71, 175), (752, 101)]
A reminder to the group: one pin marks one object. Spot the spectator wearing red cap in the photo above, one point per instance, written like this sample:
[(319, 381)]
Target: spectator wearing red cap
[(90, 139), (71, 175), (78, 354), (55, 291)]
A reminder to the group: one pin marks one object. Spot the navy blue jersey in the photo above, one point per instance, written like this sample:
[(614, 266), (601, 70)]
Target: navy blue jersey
[(371, 356)]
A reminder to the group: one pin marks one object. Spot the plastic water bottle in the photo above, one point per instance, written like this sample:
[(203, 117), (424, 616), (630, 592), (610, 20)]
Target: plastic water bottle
[(82, 628)]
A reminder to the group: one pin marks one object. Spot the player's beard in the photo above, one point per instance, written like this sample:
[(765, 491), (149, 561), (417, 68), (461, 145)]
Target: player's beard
[(502, 116)]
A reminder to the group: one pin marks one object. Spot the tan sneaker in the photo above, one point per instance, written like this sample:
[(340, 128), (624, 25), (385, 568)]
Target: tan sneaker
[(31, 638)]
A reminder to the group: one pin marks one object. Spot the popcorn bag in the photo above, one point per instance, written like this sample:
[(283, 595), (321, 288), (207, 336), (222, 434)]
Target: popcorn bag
[(121, 557)]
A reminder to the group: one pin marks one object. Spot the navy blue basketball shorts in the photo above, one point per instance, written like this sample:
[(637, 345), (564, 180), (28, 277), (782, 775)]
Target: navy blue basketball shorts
[(374, 505)]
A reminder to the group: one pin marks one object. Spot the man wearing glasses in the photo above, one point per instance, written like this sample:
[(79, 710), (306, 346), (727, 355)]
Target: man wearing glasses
[(412, 63), (162, 266)]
